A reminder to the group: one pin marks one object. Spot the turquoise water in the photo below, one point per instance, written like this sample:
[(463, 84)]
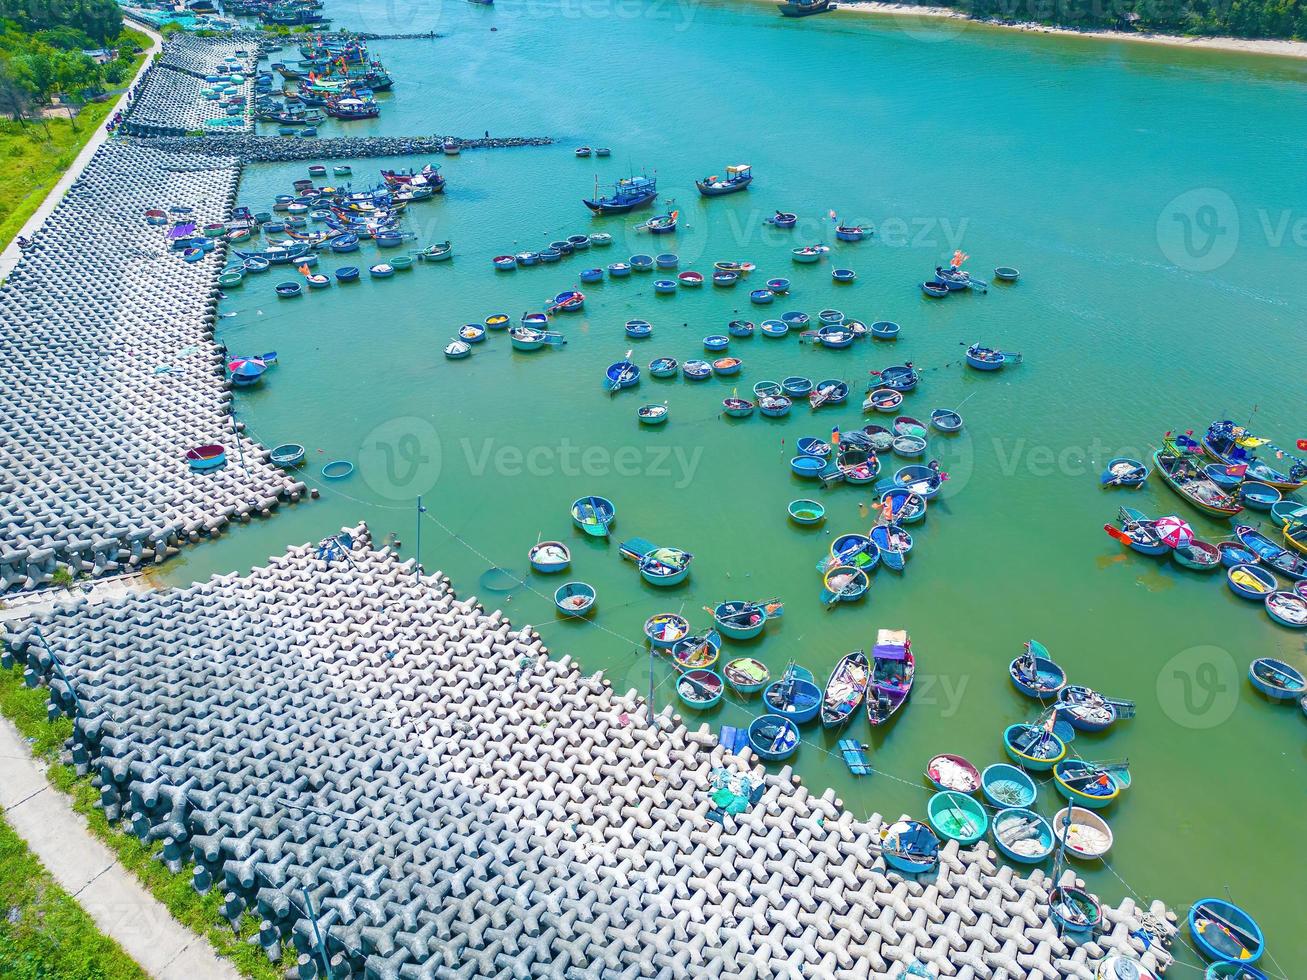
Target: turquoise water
[(1084, 164)]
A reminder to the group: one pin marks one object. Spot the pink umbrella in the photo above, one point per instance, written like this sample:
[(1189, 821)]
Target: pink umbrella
[(1174, 531)]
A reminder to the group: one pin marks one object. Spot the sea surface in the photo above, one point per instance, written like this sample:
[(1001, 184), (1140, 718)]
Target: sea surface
[(1151, 197)]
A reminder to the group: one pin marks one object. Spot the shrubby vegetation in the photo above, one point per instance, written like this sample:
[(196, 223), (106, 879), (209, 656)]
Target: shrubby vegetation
[(1235, 18)]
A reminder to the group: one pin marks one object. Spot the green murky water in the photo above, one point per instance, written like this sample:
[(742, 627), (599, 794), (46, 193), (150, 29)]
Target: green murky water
[(1151, 198)]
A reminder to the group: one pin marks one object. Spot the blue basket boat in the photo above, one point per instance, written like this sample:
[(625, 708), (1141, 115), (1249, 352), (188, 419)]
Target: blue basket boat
[(619, 270), (796, 320), (549, 556), (740, 619), (1288, 609), (812, 446), (700, 688), (641, 263), (806, 512), (691, 652), (1032, 748), (1085, 783), (1122, 471), (1085, 709), (1258, 496), (664, 286), (761, 297), (773, 737), (885, 330), (746, 674), (667, 260), (716, 342), (957, 816), (737, 408), (652, 414), (774, 329), (663, 367), (796, 387), (774, 406), (1006, 785), (1251, 582), (664, 630), (592, 275), (1022, 835), (843, 276), (779, 286), (793, 697), (740, 328), (594, 515), (287, 455), (639, 329), (696, 370), (1074, 910), (808, 467), (910, 846), (1035, 674), (1236, 553), (726, 366), (1276, 679), (206, 457), (905, 506), (1224, 932), (664, 567), (622, 374), (347, 273)]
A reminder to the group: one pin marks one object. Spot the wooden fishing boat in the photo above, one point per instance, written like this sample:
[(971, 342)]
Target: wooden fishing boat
[(741, 619), (1083, 832), (1085, 783), (1270, 553), (844, 689), (828, 392), (895, 544), (1183, 476), (738, 177), (1276, 679), (1033, 747), (206, 457), (737, 408), (952, 773), (893, 669), (652, 414), (1122, 471), (628, 194), (807, 512), (1085, 709), (1232, 444), (1138, 532), (574, 599), (1007, 786), (664, 629), (1074, 910), (1288, 609), (773, 737), (594, 515), (663, 367), (1022, 835), (1251, 582), (957, 816), (697, 651), (882, 400), (989, 359), (795, 696), (910, 846), (746, 675), (844, 583), (1224, 932), (901, 505), (700, 689), (1200, 556), (1035, 674), (549, 556)]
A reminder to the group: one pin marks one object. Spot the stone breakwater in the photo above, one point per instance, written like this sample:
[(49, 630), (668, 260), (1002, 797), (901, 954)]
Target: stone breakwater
[(172, 101), (457, 804), (251, 148), (111, 374)]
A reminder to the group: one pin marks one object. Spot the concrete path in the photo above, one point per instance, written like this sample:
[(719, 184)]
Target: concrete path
[(9, 257), (88, 871)]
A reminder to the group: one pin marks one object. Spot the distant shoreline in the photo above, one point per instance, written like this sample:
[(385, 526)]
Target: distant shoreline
[(1239, 45)]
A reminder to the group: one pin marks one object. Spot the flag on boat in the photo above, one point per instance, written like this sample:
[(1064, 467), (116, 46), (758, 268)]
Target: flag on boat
[(1239, 470), (959, 257), (1302, 444), (1174, 532)]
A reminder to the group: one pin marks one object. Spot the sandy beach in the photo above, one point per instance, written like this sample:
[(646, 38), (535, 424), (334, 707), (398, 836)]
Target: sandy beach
[(1242, 45)]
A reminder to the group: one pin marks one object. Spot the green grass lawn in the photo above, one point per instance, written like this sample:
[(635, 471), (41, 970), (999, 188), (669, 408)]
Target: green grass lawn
[(44, 934), (26, 708), (33, 157)]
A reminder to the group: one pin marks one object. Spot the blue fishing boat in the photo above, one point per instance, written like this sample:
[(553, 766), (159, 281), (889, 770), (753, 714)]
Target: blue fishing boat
[(696, 370), (667, 260), (208, 457), (1233, 553), (898, 377), (593, 515), (457, 350), (805, 511), (550, 255), (700, 688), (738, 177), (783, 219), (832, 391), (288, 290), (548, 557), (894, 543), (746, 674), (1036, 674), (773, 737), (795, 696), (622, 374), (1122, 471), (796, 319), (1288, 608), (690, 279), (697, 651), (347, 273), (1033, 747), (664, 286), (774, 406), (641, 262), (934, 290), (1232, 444), (1074, 910), (741, 619), (1221, 475), (639, 329), (779, 286), (1022, 835), (775, 329), (1258, 496), (628, 194), (910, 846), (662, 224), (472, 333), (843, 583), (664, 630), (812, 446), (1276, 679), (958, 817), (843, 276), (287, 456), (663, 367), (835, 337), (845, 689), (1140, 532), (725, 279), (808, 467), (345, 243), (903, 506), (946, 420), (923, 480), (761, 297), (1233, 971), (796, 387), (652, 414), (601, 239), (854, 549), (663, 567), (716, 342), (1271, 554), (499, 321), (1085, 709), (592, 275), (737, 408), (1224, 932), (988, 359), (382, 270), (1286, 512), (885, 330), (726, 366), (1007, 786), (1251, 582), (1085, 783)]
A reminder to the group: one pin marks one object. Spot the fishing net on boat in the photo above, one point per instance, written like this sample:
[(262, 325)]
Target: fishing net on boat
[(732, 792)]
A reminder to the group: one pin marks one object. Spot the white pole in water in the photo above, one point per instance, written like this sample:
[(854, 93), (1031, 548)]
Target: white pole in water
[(651, 687), (417, 570), (240, 450)]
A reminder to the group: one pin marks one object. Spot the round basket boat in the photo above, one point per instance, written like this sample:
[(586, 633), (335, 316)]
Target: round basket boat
[(700, 688), (338, 469), (808, 467), (773, 737), (286, 455), (1032, 748), (1022, 835), (1087, 835), (664, 629), (807, 512), (1005, 273), (957, 816), (1224, 932), (574, 599), (549, 556), (794, 698), (1007, 786)]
